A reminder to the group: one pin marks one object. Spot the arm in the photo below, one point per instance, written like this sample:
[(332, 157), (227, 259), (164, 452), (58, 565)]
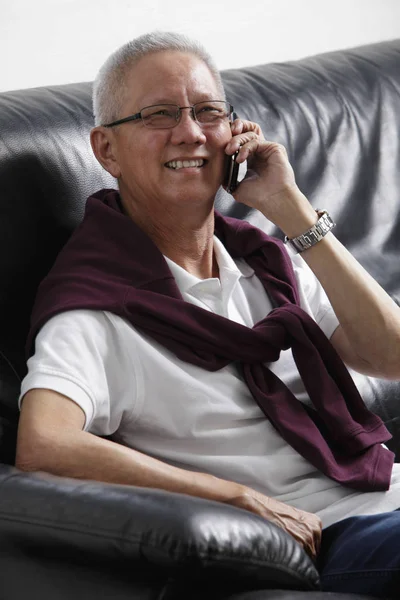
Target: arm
[(51, 438), (368, 338)]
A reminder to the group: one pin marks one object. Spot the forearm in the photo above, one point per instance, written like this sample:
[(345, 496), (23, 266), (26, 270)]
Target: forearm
[(368, 316), (51, 438), (85, 456), (89, 457)]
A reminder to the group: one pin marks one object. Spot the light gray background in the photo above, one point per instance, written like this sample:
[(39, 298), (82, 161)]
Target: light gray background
[(46, 42)]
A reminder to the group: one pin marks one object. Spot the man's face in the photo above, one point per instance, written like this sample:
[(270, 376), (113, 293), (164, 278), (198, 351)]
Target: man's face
[(142, 154)]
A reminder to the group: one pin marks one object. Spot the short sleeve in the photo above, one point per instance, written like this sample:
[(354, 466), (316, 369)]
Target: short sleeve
[(75, 355), (313, 298)]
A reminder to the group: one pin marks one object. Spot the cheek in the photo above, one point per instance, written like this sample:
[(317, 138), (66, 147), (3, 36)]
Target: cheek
[(142, 158), (222, 136), (147, 144), (219, 141)]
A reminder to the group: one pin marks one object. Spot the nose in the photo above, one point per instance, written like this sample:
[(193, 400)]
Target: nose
[(188, 130)]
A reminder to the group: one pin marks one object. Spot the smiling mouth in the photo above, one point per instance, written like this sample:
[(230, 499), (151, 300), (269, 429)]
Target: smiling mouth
[(185, 164)]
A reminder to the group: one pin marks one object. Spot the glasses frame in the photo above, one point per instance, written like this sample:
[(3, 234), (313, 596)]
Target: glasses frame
[(138, 116)]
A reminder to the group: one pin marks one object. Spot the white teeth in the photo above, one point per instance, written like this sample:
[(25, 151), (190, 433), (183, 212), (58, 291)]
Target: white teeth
[(178, 164)]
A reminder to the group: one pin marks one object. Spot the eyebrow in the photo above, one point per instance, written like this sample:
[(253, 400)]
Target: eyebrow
[(202, 98)]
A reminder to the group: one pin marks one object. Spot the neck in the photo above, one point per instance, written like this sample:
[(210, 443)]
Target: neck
[(185, 238)]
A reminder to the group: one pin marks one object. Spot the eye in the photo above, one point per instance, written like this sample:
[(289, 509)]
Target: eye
[(209, 112), (163, 112), (209, 108), (159, 115)]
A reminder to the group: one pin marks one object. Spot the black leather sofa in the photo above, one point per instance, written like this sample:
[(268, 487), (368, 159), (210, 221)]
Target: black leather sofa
[(339, 118)]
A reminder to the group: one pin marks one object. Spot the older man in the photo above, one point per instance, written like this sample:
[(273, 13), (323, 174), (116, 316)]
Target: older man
[(168, 327)]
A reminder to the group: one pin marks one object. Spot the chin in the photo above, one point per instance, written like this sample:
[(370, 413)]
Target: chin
[(188, 193)]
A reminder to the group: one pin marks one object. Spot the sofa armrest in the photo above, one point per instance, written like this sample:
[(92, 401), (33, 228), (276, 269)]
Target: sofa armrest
[(186, 537)]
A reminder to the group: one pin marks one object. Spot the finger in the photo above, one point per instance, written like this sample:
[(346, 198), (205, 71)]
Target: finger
[(306, 539), (300, 529), (236, 127), (251, 126), (312, 528), (243, 126), (305, 532), (318, 538), (248, 148), (239, 141), (314, 544)]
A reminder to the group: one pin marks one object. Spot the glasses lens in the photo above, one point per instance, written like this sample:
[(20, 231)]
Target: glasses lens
[(212, 112), (160, 116)]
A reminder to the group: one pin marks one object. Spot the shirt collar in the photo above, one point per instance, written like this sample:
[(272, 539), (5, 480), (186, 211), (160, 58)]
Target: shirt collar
[(229, 269)]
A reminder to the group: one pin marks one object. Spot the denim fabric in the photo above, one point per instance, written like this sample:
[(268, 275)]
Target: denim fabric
[(362, 555)]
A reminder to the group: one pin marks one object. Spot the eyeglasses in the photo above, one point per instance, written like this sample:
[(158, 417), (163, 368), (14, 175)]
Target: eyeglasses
[(166, 116)]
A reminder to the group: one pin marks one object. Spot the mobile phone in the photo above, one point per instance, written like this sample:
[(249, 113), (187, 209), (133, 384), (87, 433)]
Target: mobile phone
[(231, 174)]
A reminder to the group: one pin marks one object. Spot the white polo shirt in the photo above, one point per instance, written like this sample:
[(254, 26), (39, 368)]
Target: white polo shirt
[(132, 387)]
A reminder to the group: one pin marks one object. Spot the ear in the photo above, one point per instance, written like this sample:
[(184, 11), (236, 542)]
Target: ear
[(103, 145)]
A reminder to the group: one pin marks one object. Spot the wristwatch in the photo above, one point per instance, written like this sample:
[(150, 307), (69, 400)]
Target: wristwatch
[(314, 234)]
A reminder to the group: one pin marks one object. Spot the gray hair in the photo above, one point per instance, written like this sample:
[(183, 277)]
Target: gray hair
[(109, 85)]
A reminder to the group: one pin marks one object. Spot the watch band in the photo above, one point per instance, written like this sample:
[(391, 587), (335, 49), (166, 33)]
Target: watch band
[(314, 234)]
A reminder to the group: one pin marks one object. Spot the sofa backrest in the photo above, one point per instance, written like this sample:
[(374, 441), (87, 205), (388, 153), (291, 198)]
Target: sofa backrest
[(337, 114)]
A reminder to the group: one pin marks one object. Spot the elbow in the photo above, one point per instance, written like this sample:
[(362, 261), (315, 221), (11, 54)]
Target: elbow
[(47, 432), (48, 453), (387, 369), (25, 465), (28, 456), (36, 450), (392, 372)]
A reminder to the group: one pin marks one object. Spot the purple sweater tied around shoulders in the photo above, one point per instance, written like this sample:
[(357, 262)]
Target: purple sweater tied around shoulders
[(111, 264)]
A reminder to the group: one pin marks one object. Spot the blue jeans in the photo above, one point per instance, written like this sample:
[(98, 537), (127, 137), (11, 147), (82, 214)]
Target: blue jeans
[(362, 555)]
